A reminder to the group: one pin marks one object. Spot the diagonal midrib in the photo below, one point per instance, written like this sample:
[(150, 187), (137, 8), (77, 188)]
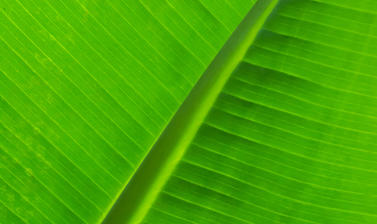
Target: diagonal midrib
[(141, 191)]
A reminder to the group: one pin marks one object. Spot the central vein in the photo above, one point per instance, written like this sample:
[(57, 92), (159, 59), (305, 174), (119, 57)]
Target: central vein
[(140, 193)]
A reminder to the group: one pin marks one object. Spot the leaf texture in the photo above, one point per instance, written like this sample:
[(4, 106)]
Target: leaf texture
[(292, 137), (86, 89)]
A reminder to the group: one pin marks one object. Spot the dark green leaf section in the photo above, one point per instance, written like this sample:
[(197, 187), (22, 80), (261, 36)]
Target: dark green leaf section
[(292, 137), (86, 88)]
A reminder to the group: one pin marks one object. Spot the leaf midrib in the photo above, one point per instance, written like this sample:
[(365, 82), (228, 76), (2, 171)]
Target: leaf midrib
[(133, 203)]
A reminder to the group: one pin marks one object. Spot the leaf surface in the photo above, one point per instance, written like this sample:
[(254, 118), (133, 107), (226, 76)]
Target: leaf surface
[(292, 136), (87, 88)]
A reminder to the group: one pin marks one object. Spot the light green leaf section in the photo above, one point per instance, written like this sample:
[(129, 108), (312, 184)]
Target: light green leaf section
[(86, 88), (292, 137)]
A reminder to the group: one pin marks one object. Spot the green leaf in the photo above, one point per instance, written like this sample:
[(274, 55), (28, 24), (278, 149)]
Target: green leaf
[(278, 129), (86, 89), (292, 136)]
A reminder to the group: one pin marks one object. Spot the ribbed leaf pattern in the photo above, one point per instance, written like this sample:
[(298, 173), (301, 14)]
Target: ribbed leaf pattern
[(292, 138), (86, 89)]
